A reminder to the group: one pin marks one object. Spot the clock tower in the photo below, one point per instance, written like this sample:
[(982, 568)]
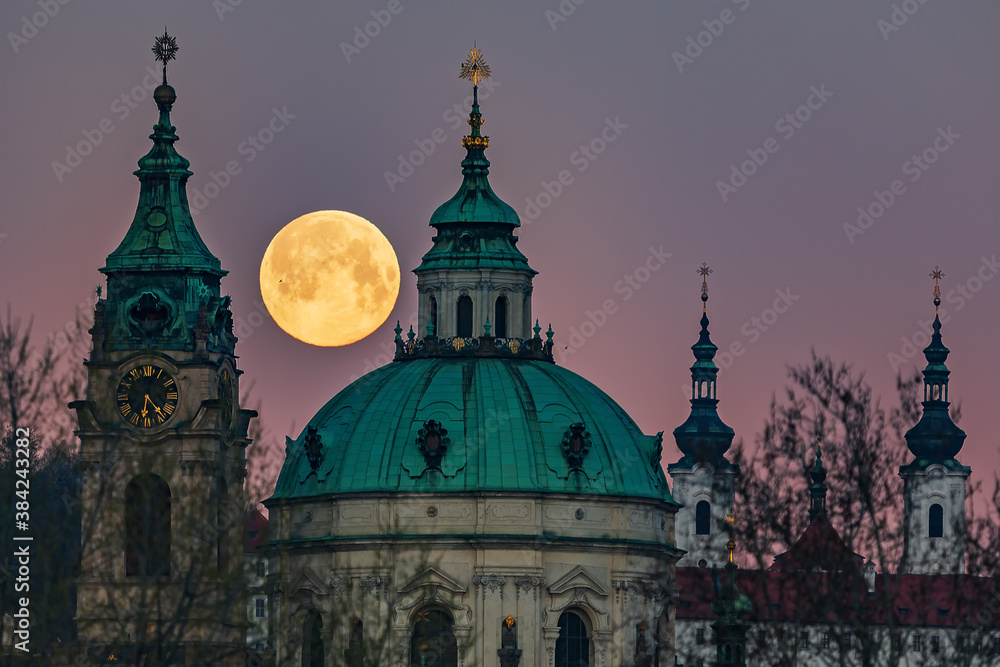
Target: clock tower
[(163, 437)]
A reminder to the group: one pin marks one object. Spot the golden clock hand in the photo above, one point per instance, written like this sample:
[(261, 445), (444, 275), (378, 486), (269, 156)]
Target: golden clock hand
[(144, 410)]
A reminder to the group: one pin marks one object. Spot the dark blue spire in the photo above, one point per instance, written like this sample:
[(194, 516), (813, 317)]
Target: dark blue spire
[(935, 438), (704, 437)]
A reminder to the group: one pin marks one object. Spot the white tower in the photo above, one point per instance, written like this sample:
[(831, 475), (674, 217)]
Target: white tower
[(934, 482), (704, 481)]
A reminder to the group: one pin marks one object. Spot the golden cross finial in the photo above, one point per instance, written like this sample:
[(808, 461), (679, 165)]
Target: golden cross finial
[(509, 621), (475, 68), (937, 274), (165, 50)]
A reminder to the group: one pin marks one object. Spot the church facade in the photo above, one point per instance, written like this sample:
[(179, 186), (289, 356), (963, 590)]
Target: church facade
[(470, 503)]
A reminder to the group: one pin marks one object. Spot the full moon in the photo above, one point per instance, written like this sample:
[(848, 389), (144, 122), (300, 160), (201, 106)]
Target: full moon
[(329, 278)]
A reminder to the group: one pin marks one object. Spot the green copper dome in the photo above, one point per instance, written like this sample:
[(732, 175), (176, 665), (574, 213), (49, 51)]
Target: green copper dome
[(469, 424)]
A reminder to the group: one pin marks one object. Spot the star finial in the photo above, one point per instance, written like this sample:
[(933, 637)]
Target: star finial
[(165, 50), (475, 68), (937, 274), (704, 272)]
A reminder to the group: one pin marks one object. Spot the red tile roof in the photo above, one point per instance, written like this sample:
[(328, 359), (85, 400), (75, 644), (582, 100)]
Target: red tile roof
[(254, 531)]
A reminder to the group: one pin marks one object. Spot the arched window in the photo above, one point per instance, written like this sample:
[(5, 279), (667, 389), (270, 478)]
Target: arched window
[(500, 318), (573, 644), (147, 527), (464, 308), (935, 521), (703, 518), (433, 643), (313, 652), (434, 315)]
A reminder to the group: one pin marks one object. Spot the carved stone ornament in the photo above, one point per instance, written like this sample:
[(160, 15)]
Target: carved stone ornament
[(575, 445), (373, 585), (433, 441), (314, 448), (526, 583), (491, 582)]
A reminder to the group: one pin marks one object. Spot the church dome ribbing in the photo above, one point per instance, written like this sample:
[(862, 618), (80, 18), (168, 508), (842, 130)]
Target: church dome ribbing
[(467, 424)]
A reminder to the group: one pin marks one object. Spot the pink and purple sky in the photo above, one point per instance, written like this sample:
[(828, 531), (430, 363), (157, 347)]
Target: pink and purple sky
[(645, 108)]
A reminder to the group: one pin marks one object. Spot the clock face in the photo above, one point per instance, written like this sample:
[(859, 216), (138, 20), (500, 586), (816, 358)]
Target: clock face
[(147, 396), (227, 394)]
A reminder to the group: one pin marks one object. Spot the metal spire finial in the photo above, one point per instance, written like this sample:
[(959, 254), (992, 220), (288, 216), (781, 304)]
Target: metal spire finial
[(937, 274), (475, 68), (165, 50), (704, 272)]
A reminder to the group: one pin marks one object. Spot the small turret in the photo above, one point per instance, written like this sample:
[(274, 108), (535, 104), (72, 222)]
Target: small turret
[(704, 437)]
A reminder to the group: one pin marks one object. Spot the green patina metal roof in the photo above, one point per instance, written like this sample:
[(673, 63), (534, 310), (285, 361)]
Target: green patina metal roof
[(162, 235), (475, 227), (507, 422)]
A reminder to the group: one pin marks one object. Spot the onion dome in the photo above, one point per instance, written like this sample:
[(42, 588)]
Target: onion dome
[(704, 437), (935, 438)]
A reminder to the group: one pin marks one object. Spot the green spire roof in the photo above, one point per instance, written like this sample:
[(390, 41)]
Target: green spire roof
[(475, 227), (935, 438), (704, 437), (475, 201), (162, 235)]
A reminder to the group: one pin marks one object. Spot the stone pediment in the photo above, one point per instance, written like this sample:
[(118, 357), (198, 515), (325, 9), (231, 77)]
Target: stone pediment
[(577, 578), (310, 581), (431, 577)]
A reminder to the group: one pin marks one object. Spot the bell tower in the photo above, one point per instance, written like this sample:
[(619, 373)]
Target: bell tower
[(163, 437), (704, 480), (934, 481)]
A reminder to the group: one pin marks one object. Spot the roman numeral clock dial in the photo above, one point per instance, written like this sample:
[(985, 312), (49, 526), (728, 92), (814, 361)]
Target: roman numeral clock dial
[(147, 396)]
